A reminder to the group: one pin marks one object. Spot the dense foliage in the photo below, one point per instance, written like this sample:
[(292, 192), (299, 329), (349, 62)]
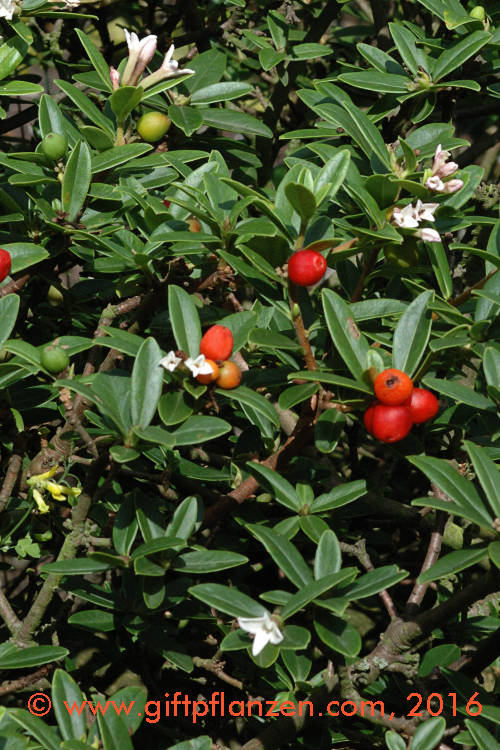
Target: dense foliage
[(150, 523)]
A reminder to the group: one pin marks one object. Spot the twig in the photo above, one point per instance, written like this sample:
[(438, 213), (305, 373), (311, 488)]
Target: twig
[(13, 686), (464, 296), (217, 668), (433, 550), (13, 469), (15, 285), (298, 324), (8, 615)]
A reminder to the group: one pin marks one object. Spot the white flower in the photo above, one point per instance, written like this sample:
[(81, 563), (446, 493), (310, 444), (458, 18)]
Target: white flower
[(453, 185), (140, 54), (440, 158), (71, 4), (425, 211), (115, 78), (435, 183), (429, 235), (168, 69), (405, 217), (170, 362), (447, 169), (7, 8), (198, 366), (265, 630)]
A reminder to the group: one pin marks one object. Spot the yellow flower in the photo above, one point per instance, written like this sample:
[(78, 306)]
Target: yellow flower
[(40, 502), (39, 478)]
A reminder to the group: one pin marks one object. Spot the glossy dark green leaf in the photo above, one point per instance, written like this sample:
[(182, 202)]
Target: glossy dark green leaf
[(464, 496), (439, 656), (374, 81), (458, 392), (339, 496), (219, 92), (452, 563), (12, 52), (125, 526), (255, 400), (76, 181), (146, 383), (188, 119), (94, 620), (207, 561), (65, 692), (412, 334), (285, 555), (227, 599), (33, 656), (452, 58), (199, 429), (338, 635), (487, 473), (124, 100), (484, 740), (96, 58), (24, 254), (36, 728), (328, 558), (405, 43), (302, 200), (428, 734), (279, 487), (328, 429), (184, 320), (235, 122), (86, 106), (81, 566), (346, 336), (373, 582)]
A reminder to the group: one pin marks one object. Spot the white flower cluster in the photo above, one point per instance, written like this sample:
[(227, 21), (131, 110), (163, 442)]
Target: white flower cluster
[(442, 168), (7, 8), (198, 366), (140, 54), (410, 217)]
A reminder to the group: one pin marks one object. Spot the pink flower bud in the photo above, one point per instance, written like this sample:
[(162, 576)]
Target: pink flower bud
[(115, 78), (453, 185), (429, 235), (447, 169), (434, 183)]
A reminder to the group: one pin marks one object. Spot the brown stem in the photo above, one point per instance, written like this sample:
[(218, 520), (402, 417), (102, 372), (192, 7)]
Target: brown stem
[(13, 686), (13, 469), (433, 550), (465, 295), (300, 329), (217, 668), (8, 615), (15, 285)]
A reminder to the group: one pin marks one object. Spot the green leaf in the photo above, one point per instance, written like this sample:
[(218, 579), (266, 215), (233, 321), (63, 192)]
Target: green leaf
[(33, 656), (184, 320), (348, 340), (328, 429), (428, 734), (187, 517), (459, 392), (302, 199), (341, 495), (277, 485), (114, 732), (441, 267), (9, 308), (207, 561), (483, 739), (124, 100), (284, 553), (250, 398), (405, 42), (125, 526), (394, 741), (76, 181), (117, 155), (338, 635), (188, 119), (199, 429), (96, 58), (328, 558), (219, 92), (36, 728), (412, 334), (94, 620), (25, 254), (454, 562), (20, 88), (65, 692), (440, 656), (235, 122), (80, 566), (452, 58), (200, 743), (494, 553), (373, 582), (310, 51), (333, 174), (227, 599), (12, 52), (313, 590), (86, 105), (487, 473), (370, 80), (155, 546), (465, 497), (173, 409), (380, 59), (146, 383), (296, 394)]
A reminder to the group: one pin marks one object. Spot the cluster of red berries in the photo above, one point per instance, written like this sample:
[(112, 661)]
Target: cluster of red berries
[(5, 264), (398, 407), (306, 267), (217, 346)]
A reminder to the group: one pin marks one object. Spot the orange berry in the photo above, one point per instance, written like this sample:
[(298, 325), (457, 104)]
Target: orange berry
[(229, 376), (217, 343), (206, 379), (194, 225), (392, 387)]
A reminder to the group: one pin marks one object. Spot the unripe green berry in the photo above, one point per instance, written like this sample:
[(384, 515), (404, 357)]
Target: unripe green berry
[(54, 359), (55, 296), (54, 146), (152, 126), (478, 13)]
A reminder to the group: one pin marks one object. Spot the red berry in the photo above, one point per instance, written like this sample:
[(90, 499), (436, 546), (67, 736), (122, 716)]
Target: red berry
[(392, 387), (389, 423), (423, 405), (368, 417), (306, 267), (5, 264), (217, 343), (166, 203)]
